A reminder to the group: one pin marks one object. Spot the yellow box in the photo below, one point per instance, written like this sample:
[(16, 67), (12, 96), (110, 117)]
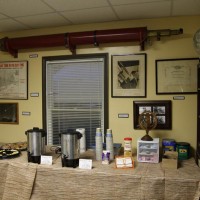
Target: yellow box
[(122, 162), (170, 160)]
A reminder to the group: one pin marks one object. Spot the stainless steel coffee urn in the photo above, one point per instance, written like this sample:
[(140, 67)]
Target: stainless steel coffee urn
[(70, 148), (35, 144)]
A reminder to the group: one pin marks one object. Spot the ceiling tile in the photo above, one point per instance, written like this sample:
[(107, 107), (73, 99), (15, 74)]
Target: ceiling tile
[(123, 2), (62, 5), (11, 25), (46, 20), (46, 13), (16, 8), (191, 8), (147, 10), (90, 15)]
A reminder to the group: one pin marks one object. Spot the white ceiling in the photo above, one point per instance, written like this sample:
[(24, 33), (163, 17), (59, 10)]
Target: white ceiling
[(32, 14)]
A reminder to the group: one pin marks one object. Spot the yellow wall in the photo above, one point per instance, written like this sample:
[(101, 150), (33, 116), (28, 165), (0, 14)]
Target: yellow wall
[(184, 112)]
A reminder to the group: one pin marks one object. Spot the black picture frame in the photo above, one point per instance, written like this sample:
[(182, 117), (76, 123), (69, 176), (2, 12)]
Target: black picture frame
[(9, 113), (162, 109), (128, 75), (176, 76)]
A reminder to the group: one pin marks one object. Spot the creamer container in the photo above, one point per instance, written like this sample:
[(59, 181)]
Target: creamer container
[(127, 147), (105, 157)]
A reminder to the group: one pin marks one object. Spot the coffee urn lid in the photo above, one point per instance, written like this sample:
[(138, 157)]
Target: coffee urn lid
[(36, 129), (72, 132)]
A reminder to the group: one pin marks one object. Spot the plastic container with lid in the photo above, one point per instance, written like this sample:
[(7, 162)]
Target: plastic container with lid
[(128, 147), (183, 149), (168, 145)]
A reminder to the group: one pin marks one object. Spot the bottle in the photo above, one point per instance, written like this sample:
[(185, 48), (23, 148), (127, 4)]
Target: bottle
[(99, 144), (127, 147), (82, 140), (109, 143)]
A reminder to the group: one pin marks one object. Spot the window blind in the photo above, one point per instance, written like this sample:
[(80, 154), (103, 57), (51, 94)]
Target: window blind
[(74, 97)]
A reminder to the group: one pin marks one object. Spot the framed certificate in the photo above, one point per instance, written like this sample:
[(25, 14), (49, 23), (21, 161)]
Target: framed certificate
[(176, 76), (14, 80)]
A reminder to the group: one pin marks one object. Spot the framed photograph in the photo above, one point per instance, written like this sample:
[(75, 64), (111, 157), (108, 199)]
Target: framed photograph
[(14, 80), (176, 76), (128, 75), (9, 113), (162, 109)]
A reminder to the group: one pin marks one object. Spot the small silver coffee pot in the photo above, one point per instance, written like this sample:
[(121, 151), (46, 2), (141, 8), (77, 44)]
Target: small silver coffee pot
[(70, 148), (35, 144)]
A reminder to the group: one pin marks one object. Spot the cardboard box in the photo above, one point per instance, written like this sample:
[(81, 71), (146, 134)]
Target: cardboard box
[(170, 160)]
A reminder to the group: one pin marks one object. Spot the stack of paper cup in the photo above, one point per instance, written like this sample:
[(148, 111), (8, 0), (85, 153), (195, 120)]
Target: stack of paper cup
[(82, 140), (99, 144)]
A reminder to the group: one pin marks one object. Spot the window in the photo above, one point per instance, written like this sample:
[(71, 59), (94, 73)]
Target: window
[(74, 95)]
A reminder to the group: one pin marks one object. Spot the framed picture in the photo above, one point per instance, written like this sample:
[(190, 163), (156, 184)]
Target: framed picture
[(128, 75), (13, 79), (162, 109), (9, 113), (176, 76)]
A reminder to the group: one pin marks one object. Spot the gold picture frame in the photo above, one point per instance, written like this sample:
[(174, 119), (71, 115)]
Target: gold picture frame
[(176, 76)]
